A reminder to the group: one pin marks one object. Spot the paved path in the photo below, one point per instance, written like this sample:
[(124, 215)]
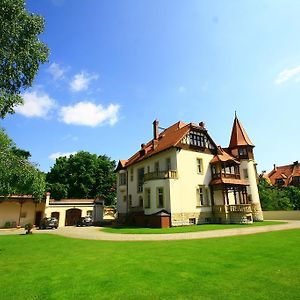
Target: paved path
[(94, 233)]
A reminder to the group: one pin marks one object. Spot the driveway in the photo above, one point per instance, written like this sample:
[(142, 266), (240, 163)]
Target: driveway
[(95, 233)]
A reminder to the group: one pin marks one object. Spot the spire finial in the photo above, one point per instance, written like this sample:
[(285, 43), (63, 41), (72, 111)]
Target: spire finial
[(235, 114)]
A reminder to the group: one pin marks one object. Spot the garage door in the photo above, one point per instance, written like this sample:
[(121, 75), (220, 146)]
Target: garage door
[(73, 216)]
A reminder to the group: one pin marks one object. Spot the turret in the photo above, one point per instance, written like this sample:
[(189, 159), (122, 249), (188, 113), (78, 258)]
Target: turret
[(240, 144), (241, 147)]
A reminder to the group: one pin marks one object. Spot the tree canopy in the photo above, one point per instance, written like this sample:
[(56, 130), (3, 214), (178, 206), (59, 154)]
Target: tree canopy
[(17, 174), (83, 175), (278, 198), (21, 52)]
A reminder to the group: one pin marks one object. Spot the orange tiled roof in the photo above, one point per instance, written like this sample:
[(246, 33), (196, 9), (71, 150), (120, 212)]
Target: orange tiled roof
[(232, 181), (239, 136), (223, 156), (286, 173), (72, 201), (170, 137)]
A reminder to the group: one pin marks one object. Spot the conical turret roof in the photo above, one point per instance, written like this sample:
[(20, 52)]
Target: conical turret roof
[(239, 136)]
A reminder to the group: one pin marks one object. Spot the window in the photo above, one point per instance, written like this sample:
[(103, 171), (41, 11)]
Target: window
[(197, 139), (147, 198), (141, 202), (131, 174), (148, 169), (202, 196), (192, 221), (122, 178), (160, 197), (242, 152), (156, 167), (140, 182), (130, 200), (245, 172), (168, 164), (296, 178), (213, 169), (199, 166), (279, 181)]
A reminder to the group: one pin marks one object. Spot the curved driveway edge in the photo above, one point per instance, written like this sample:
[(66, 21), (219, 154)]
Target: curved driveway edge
[(95, 233)]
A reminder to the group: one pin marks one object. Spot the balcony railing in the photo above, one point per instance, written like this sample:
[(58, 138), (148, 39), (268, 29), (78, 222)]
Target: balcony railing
[(245, 208), (171, 174)]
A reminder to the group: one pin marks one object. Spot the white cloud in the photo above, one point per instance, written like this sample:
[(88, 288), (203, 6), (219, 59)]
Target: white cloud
[(36, 104), (56, 71), (287, 74), (81, 81), (90, 114), (56, 155)]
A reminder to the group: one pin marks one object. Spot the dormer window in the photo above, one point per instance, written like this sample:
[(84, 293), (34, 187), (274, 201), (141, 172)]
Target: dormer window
[(296, 179), (199, 139), (279, 181)]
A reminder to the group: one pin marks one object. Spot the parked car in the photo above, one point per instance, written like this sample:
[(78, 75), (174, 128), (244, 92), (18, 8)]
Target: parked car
[(85, 221), (49, 223)]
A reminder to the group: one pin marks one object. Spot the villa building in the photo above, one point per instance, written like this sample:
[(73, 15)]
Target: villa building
[(182, 177), (285, 175)]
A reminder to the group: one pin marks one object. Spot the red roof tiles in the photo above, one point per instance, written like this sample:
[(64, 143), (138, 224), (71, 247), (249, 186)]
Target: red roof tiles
[(170, 137), (239, 136), (223, 156), (286, 173)]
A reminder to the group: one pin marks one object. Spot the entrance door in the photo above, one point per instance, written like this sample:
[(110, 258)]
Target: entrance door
[(73, 215), (38, 218)]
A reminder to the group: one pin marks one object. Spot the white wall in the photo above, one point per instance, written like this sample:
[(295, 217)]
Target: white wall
[(63, 209), (10, 212), (183, 190), (152, 184)]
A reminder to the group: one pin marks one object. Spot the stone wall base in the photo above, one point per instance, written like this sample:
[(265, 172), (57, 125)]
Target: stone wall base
[(257, 212), (182, 219)]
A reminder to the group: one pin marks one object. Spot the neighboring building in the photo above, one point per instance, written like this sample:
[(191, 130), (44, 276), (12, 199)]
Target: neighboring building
[(182, 177), (69, 211), (19, 210), (285, 175)]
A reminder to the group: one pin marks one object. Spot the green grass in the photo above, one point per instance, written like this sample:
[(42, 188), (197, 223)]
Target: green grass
[(41, 266), (192, 228)]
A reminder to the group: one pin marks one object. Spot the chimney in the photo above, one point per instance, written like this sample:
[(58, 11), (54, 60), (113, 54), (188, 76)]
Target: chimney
[(275, 168), (295, 163), (202, 125), (155, 130), (47, 199)]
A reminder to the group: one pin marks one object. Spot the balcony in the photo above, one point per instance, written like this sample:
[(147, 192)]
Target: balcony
[(240, 208), (226, 175), (170, 174)]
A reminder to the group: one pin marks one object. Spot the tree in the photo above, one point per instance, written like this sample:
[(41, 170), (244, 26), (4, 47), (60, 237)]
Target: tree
[(83, 175), (21, 52), (275, 198), (17, 174)]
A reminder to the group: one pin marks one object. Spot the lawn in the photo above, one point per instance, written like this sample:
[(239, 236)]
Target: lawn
[(41, 266), (192, 228)]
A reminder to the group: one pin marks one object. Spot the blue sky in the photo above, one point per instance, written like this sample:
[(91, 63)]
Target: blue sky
[(115, 66)]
